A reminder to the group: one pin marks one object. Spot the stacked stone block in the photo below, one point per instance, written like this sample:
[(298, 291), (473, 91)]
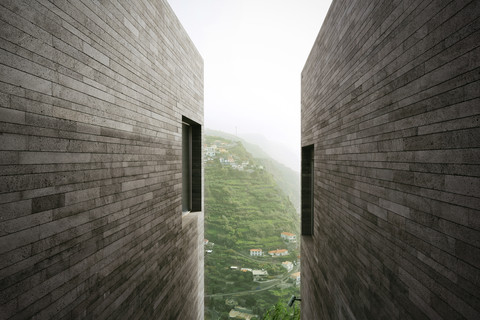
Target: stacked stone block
[(390, 102), (92, 95)]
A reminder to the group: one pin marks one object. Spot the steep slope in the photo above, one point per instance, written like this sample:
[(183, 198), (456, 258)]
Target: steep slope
[(287, 179), (244, 209)]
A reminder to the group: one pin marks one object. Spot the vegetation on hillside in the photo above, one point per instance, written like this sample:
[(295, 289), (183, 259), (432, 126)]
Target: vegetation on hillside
[(244, 209), (287, 179), (281, 312)]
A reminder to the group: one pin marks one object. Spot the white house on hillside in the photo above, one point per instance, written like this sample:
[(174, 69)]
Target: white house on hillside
[(287, 236), (211, 151), (256, 252), (259, 274), (287, 265), (296, 277)]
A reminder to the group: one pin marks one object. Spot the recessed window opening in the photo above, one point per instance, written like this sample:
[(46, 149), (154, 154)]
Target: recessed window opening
[(307, 189), (191, 166)]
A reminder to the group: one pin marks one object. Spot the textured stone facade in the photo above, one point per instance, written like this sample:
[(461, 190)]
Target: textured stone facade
[(390, 103), (92, 95)]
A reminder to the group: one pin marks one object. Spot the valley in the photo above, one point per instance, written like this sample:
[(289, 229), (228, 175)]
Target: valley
[(250, 262)]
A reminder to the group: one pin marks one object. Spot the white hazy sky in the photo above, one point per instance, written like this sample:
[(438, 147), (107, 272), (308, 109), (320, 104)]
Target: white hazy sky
[(254, 52)]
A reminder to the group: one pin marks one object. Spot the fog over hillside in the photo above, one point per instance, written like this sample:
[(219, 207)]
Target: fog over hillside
[(274, 159), (261, 147)]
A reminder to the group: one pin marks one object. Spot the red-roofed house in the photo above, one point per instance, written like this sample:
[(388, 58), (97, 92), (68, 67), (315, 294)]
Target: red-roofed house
[(290, 237), (287, 265), (256, 252), (295, 276), (278, 252)]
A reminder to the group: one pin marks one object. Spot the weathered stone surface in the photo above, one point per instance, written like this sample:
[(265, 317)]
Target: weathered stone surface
[(92, 96), (390, 101)]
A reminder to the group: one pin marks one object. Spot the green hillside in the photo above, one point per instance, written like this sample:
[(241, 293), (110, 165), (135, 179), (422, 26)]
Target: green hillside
[(244, 209), (287, 179)]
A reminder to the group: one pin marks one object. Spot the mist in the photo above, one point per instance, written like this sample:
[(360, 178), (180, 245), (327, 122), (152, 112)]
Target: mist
[(254, 52)]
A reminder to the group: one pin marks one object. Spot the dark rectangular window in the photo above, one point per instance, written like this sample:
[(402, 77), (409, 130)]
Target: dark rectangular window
[(307, 190), (191, 166)]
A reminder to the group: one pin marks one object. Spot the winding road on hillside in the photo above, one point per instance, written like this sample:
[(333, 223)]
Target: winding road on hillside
[(276, 282)]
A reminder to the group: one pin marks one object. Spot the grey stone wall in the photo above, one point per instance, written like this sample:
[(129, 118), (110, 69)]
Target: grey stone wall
[(390, 101), (92, 95)]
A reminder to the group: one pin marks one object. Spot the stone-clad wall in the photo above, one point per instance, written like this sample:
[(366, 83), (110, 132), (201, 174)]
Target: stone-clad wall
[(390, 101), (92, 95)]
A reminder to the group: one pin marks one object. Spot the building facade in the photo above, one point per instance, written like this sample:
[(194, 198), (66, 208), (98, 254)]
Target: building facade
[(256, 252), (288, 236), (278, 252), (287, 265), (390, 162), (296, 278), (101, 208)]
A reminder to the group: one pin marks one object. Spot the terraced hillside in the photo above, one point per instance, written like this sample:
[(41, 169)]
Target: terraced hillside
[(244, 209)]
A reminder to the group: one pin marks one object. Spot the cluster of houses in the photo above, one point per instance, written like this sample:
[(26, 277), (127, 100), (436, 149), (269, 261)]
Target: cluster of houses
[(214, 151), (210, 151), (231, 162), (259, 275), (273, 253), (286, 236)]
